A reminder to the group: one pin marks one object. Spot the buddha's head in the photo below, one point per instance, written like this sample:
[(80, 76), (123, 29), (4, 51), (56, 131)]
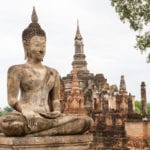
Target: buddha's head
[(34, 39)]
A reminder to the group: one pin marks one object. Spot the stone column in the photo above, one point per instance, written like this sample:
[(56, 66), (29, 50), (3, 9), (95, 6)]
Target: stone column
[(130, 104), (122, 89), (105, 103), (143, 99)]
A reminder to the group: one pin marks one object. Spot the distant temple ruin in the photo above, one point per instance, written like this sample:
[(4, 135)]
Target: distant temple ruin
[(116, 124), (98, 95)]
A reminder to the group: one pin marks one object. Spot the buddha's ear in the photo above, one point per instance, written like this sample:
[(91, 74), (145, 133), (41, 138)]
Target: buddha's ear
[(26, 47)]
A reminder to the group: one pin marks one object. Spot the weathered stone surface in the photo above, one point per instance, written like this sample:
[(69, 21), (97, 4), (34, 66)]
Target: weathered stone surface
[(138, 144), (34, 92), (143, 99), (73, 142), (75, 98), (137, 129)]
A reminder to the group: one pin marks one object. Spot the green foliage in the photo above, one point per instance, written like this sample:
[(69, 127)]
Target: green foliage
[(138, 107), (148, 109), (8, 109), (5, 110), (137, 13)]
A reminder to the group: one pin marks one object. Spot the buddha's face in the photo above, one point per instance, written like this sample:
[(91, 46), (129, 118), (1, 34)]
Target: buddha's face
[(37, 48)]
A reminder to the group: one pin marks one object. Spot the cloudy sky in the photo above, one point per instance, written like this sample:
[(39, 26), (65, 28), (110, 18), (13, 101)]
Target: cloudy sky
[(108, 43)]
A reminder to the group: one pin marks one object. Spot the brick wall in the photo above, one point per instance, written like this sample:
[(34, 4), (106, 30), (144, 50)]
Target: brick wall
[(138, 129)]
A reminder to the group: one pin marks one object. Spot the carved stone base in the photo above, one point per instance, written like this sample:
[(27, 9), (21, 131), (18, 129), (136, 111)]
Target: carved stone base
[(71, 142)]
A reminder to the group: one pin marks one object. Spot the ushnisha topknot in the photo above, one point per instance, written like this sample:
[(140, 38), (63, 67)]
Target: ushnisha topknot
[(32, 30)]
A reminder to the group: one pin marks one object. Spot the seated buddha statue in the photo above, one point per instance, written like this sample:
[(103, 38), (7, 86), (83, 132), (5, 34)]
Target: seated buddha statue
[(34, 93)]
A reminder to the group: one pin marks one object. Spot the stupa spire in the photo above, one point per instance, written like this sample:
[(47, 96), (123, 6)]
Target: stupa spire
[(34, 17), (78, 34), (122, 85), (79, 56)]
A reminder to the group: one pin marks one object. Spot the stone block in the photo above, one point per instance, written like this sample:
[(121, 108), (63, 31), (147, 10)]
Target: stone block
[(70, 142)]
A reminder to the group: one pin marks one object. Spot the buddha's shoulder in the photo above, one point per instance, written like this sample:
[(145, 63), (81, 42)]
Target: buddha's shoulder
[(52, 70), (16, 68)]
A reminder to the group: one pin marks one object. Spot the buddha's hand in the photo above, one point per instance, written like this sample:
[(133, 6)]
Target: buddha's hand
[(51, 115), (31, 118)]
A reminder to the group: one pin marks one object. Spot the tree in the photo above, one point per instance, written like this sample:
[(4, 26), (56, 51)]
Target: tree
[(148, 109), (137, 13), (138, 107)]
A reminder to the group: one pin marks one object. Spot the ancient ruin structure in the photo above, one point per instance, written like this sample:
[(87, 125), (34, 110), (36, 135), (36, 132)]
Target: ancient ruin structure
[(75, 99), (108, 106), (122, 89), (137, 125), (79, 56), (143, 99), (98, 94), (123, 99), (80, 63), (130, 104)]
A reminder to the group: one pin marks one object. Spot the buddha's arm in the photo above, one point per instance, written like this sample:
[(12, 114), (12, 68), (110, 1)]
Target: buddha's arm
[(55, 94), (13, 85), (54, 98)]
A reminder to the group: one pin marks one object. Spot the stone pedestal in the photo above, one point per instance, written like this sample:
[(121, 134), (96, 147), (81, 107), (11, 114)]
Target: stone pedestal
[(71, 142)]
